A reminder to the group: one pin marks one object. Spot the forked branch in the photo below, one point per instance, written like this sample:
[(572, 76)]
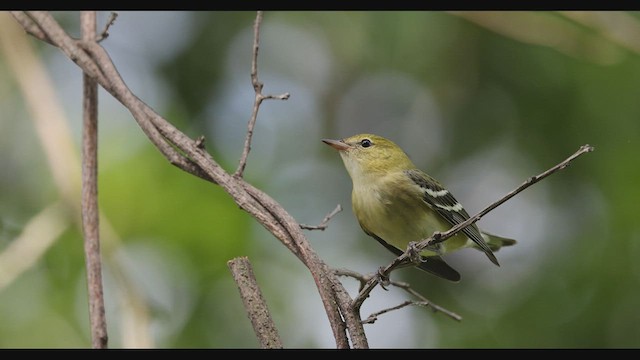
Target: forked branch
[(189, 155)]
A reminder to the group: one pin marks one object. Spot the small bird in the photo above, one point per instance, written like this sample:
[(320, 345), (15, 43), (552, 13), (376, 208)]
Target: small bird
[(396, 203)]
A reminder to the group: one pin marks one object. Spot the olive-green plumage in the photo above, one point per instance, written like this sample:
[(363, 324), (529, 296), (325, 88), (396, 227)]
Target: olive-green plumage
[(396, 203)]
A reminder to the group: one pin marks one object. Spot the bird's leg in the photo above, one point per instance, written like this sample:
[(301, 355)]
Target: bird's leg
[(436, 248)]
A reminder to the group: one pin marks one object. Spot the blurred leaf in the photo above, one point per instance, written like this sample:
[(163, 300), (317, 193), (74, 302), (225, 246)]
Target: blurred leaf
[(147, 198)]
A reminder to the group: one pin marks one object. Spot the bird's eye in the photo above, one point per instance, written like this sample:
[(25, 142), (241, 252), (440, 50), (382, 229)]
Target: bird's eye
[(365, 143)]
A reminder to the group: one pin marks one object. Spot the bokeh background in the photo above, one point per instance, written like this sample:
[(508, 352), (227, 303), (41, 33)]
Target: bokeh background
[(480, 100)]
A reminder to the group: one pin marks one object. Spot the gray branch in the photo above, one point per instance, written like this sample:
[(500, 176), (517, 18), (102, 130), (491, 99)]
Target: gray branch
[(90, 211), (190, 156), (254, 303)]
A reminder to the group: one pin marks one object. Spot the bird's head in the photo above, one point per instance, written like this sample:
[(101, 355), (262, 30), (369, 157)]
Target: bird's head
[(368, 155)]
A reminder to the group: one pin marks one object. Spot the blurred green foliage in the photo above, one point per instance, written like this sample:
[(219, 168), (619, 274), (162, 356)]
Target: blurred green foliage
[(477, 101)]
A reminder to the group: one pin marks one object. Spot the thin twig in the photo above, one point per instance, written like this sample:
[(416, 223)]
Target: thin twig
[(374, 316), (365, 278), (105, 32), (362, 278), (426, 302), (325, 222), (532, 180), (254, 303), (440, 237), (257, 87), (90, 212)]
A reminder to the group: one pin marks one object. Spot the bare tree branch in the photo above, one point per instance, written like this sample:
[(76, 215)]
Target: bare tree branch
[(186, 154), (440, 237), (257, 87), (331, 289), (190, 156), (325, 222), (532, 180), (90, 212), (30, 26), (423, 301), (54, 134), (254, 303), (374, 316), (105, 32)]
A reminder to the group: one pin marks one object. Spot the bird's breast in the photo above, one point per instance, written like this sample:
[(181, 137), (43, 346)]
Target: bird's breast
[(398, 215)]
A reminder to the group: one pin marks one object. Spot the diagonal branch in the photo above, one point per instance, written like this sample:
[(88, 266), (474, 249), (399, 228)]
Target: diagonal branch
[(188, 155), (423, 301), (532, 180), (105, 32), (325, 222), (31, 27), (440, 237)]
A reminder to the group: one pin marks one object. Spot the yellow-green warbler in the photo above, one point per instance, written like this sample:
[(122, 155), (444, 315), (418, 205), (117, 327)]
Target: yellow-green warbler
[(396, 203)]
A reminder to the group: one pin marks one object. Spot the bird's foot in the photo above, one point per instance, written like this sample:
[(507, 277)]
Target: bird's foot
[(414, 254), (383, 279)]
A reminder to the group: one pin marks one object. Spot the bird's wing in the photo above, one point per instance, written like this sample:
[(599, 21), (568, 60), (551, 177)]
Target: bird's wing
[(441, 200), (432, 264)]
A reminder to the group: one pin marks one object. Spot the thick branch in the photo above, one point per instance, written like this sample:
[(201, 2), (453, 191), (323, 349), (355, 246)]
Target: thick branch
[(322, 275), (31, 27), (254, 303), (188, 155), (90, 213)]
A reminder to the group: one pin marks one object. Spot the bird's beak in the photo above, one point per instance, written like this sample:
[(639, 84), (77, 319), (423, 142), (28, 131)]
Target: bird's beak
[(336, 144)]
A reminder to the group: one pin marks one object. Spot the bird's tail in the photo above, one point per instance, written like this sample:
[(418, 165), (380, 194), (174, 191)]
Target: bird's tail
[(496, 242)]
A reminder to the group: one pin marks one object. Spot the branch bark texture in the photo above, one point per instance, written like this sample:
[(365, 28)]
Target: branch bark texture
[(90, 211), (254, 303)]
